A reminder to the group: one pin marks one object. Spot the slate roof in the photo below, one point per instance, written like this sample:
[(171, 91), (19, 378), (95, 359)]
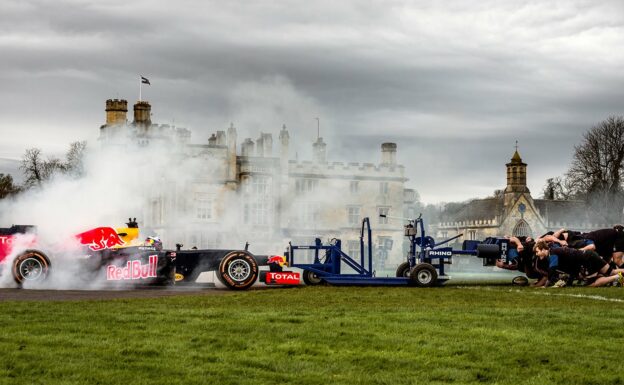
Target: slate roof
[(477, 209)]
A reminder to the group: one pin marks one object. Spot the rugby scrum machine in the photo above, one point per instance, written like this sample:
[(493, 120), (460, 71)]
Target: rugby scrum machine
[(424, 267)]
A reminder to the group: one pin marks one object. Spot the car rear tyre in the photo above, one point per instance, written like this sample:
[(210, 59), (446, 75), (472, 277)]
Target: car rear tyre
[(310, 278), (403, 270), (238, 270), (31, 266), (423, 275)]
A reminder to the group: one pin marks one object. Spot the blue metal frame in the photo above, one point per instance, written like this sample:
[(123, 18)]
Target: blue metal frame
[(423, 249)]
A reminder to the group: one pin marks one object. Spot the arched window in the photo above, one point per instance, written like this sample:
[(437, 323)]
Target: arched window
[(522, 229)]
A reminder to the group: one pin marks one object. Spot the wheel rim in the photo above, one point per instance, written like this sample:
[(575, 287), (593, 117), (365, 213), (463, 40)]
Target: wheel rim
[(424, 276), (31, 269), (313, 278), (239, 270), (406, 272)]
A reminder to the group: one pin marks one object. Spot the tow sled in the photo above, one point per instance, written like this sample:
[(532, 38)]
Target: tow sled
[(424, 266)]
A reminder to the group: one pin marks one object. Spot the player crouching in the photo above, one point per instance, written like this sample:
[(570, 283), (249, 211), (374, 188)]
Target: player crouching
[(585, 264)]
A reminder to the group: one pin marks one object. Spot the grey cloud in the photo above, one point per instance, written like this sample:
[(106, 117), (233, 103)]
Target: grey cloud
[(457, 77)]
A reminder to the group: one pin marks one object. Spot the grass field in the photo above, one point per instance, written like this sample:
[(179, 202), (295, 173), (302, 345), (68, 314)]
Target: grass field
[(321, 335)]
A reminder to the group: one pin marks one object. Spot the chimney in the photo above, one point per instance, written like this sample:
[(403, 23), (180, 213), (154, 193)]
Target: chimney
[(318, 150), (212, 141), (220, 138), (284, 138), (260, 146), (267, 142), (247, 148), (231, 146), (388, 154)]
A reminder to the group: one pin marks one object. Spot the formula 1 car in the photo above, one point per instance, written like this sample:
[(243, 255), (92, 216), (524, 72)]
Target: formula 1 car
[(117, 255)]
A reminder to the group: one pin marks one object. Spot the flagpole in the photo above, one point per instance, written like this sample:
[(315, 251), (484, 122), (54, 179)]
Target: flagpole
[(140, 87)]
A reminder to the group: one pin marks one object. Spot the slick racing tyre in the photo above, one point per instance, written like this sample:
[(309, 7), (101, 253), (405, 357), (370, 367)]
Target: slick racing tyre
[(30, 266), (423, 275), (238, 270), (310, 278), (403, 270)]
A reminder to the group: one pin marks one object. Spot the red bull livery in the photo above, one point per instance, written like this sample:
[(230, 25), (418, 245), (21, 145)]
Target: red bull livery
[(108, 254), (100, 238)]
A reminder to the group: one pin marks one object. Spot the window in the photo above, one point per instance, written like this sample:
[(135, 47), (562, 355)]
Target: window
[(472, 235), (303, 186), (260, 185), (256, 213), (383, 211), (383, 188), (353, 215), (353, 249), (522, 229), (444, 234), (354, 187), (308, 213), (156, 208), (203, 207), (385, 242)]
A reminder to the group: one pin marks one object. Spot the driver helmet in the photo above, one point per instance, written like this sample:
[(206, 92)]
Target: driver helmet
[(155, 242)]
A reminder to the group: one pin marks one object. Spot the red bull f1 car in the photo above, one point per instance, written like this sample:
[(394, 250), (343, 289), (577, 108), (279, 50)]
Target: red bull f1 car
[(117, 255)]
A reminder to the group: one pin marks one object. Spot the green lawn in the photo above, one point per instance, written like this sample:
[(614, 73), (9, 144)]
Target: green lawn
[(321, 335)]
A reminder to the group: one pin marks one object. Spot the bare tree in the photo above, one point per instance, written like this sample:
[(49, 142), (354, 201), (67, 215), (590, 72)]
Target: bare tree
[(32, 166), (38, 170), (74, 159), (558, 188), (7, 187), (597, 168)]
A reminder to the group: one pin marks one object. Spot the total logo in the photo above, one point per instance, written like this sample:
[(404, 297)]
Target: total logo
[(440, 253), (133, 270), (284, 278)]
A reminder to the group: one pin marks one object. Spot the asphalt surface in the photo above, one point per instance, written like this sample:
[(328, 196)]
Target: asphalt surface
[(93, 295)]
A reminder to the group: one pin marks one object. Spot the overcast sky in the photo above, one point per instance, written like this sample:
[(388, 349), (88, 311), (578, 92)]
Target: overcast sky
[(453, 83)]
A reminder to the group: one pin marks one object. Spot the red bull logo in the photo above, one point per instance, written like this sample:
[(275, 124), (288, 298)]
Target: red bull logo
[(133, 270), (278, 259), (100, 238)]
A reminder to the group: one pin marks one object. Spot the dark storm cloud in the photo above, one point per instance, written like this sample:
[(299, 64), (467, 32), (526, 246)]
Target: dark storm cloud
[(444, 80)]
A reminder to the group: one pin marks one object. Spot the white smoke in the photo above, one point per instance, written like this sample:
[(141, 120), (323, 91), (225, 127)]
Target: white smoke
[(159, 184)]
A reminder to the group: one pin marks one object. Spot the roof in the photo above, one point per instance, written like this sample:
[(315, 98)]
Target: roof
[(571, 213), (477, 209)]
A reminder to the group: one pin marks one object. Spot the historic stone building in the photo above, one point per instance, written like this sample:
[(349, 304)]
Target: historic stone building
[(513, 211), (248, 193)]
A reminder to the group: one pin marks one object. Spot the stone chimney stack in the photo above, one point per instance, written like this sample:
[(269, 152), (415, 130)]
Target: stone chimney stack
[(247, 148), (116, 110), (319, 151), (221, 138), (388, 154), (212, 141), (267, 142), (284, 138), (260, 146), (231, 146)]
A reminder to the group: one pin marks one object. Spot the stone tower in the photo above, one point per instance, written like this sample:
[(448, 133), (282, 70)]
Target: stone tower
[(142, 113), (116, 110), (516, 178)]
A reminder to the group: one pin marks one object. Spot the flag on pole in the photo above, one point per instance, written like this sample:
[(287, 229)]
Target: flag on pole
[(145, 80)]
